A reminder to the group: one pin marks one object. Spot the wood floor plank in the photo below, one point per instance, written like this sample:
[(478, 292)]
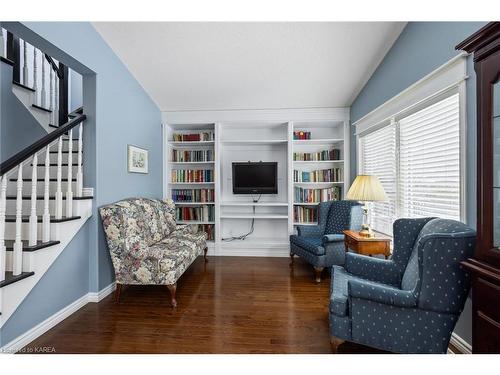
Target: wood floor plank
[(229, 305)]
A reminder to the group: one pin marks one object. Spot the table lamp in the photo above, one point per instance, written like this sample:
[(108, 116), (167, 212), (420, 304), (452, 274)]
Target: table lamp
[(365, 189)]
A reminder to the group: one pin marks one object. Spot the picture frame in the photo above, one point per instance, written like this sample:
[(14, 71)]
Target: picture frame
[(137, 159)]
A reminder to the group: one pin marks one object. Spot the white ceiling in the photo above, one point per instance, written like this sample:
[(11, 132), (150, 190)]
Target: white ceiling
[(217, 66)]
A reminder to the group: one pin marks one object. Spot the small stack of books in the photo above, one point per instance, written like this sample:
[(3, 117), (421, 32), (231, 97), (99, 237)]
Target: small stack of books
[(300, 134), (302, 195), (203, 213), (192, 175), (192, 155), (193, 195), (333, 154), (323, 175), (207, 228), (194, 137), (305, 214)]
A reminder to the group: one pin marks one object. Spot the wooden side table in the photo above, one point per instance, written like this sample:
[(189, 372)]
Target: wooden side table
[(367, 246)]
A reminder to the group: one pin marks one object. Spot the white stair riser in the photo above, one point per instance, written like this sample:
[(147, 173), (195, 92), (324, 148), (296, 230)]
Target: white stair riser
[(27, 261), (10, 230), (11, 206), (52, 172), (40, 186)]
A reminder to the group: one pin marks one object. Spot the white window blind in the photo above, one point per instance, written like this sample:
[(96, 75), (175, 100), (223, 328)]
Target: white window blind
[(378, 157), (429, 161)]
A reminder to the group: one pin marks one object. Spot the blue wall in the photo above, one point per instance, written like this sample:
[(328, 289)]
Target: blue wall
[(18, 127), (119, 113), (421, 48)]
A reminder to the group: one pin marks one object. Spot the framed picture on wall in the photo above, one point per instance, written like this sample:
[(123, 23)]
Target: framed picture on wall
[(137, 159)]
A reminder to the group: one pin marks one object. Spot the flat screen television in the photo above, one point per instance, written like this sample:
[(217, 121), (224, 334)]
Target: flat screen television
[(255, 178)]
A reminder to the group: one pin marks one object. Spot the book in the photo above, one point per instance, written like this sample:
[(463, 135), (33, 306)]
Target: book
[(323, 175), (192, 155), (192, 175), (302, 195), (333, 154), (193, 195), (193, 137)]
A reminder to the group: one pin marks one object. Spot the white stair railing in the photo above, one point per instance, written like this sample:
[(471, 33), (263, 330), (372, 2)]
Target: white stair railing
[(79, 173), (33, 217), (46, 197), (59, 194), (25, 63), (17, 255), (35, 74), (69, 191), (43, 93)]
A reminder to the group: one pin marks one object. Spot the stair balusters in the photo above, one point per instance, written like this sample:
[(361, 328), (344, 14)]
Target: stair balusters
[(17, 255), (69, 191), (55, 111), (46, 197), (59, 194), (43, 94), (51, 89), (33, 218), (3, 197), (2, 42), (25, 63), (35, 74), (79, 173)]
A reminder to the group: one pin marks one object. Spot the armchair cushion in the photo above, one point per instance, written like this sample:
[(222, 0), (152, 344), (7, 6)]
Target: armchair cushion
[(382, 293), (310, 244), (327, 238), (375, 269)]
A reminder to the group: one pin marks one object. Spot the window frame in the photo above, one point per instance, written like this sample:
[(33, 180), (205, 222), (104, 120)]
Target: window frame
[(458, 88)]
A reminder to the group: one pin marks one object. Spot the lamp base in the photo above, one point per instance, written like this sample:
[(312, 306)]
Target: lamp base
[(366, 231)]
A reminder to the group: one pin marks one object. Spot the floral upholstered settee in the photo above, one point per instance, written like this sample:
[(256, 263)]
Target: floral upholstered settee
[(147, 247)]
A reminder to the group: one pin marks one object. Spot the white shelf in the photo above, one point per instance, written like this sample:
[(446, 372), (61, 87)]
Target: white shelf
[(255, 242), (311, 223), (253, 216), (191, 183), (194, 222), (191, 143), (319, 183), (317, 161), (255, 142), (265, 204), (193, 203), (317, 141), (305, 204), (190, 162)]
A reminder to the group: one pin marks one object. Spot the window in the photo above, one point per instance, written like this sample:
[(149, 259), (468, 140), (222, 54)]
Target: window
[(417, 159)]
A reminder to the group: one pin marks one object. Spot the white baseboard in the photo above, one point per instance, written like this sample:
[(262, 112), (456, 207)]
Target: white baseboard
[(38, 330), (463, 346)]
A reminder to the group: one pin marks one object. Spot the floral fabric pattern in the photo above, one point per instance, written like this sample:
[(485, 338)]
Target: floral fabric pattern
[(145, 243)]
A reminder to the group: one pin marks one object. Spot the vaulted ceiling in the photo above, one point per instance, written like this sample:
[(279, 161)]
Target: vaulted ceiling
[(213, 66)]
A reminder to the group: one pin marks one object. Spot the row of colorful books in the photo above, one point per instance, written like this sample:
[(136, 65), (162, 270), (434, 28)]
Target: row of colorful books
[(193, 137), (300, 134), (207, 228), (333, 154), (192, 175), (204, 213), (192, 155), (302, 195), (305, 214), (323, 175), (193, 195)]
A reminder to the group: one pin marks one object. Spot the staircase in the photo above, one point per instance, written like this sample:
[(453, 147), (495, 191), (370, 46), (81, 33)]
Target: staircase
[(42, 201)]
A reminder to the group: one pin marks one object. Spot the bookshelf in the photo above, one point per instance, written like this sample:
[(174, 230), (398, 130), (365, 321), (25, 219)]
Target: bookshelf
[(256, 136)]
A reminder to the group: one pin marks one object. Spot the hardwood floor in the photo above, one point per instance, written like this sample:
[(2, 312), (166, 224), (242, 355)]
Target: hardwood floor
[(229, 305)]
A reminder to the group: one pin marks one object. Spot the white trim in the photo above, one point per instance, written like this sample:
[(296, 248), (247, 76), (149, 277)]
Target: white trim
[(41, 328), (463, 346), (448, 75)]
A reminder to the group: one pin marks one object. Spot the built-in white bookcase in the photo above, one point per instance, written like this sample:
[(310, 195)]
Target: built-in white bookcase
[(242, 136)]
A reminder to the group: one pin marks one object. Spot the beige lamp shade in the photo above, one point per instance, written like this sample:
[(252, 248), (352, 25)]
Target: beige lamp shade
[(367, 189)]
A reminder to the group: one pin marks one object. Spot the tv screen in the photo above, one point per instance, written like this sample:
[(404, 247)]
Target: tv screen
[(255, 178)]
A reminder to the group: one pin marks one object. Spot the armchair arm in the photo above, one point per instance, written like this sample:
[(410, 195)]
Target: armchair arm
[(328, 238), (309, 230), (184, 228), (381, 293), (380, 270)]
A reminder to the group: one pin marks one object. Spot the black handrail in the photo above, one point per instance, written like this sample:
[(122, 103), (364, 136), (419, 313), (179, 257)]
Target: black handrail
[(23, 155), (55, 67)]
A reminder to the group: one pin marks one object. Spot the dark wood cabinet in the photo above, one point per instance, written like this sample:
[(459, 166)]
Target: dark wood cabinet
[(485, 266)]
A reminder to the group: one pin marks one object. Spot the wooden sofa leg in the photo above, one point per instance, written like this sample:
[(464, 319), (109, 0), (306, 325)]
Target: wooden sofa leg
[(292, 260), (172, 289), (317, 272), (205, 251), (118, 292), (335, 342)]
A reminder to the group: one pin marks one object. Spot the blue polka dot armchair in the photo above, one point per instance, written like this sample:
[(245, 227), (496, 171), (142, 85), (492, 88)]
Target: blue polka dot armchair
[(322, 245), (410, 303)]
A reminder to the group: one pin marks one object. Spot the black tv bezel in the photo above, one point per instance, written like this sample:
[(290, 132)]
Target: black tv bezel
[(249, 190)]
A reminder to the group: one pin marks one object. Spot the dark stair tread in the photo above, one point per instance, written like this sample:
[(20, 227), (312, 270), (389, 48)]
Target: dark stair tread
[(9, 244), (42, 180), (41, 197), (64, 152), (26, 219), (11, 279), (41, 108), (55, 165), (6, 61), (23, 86)]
